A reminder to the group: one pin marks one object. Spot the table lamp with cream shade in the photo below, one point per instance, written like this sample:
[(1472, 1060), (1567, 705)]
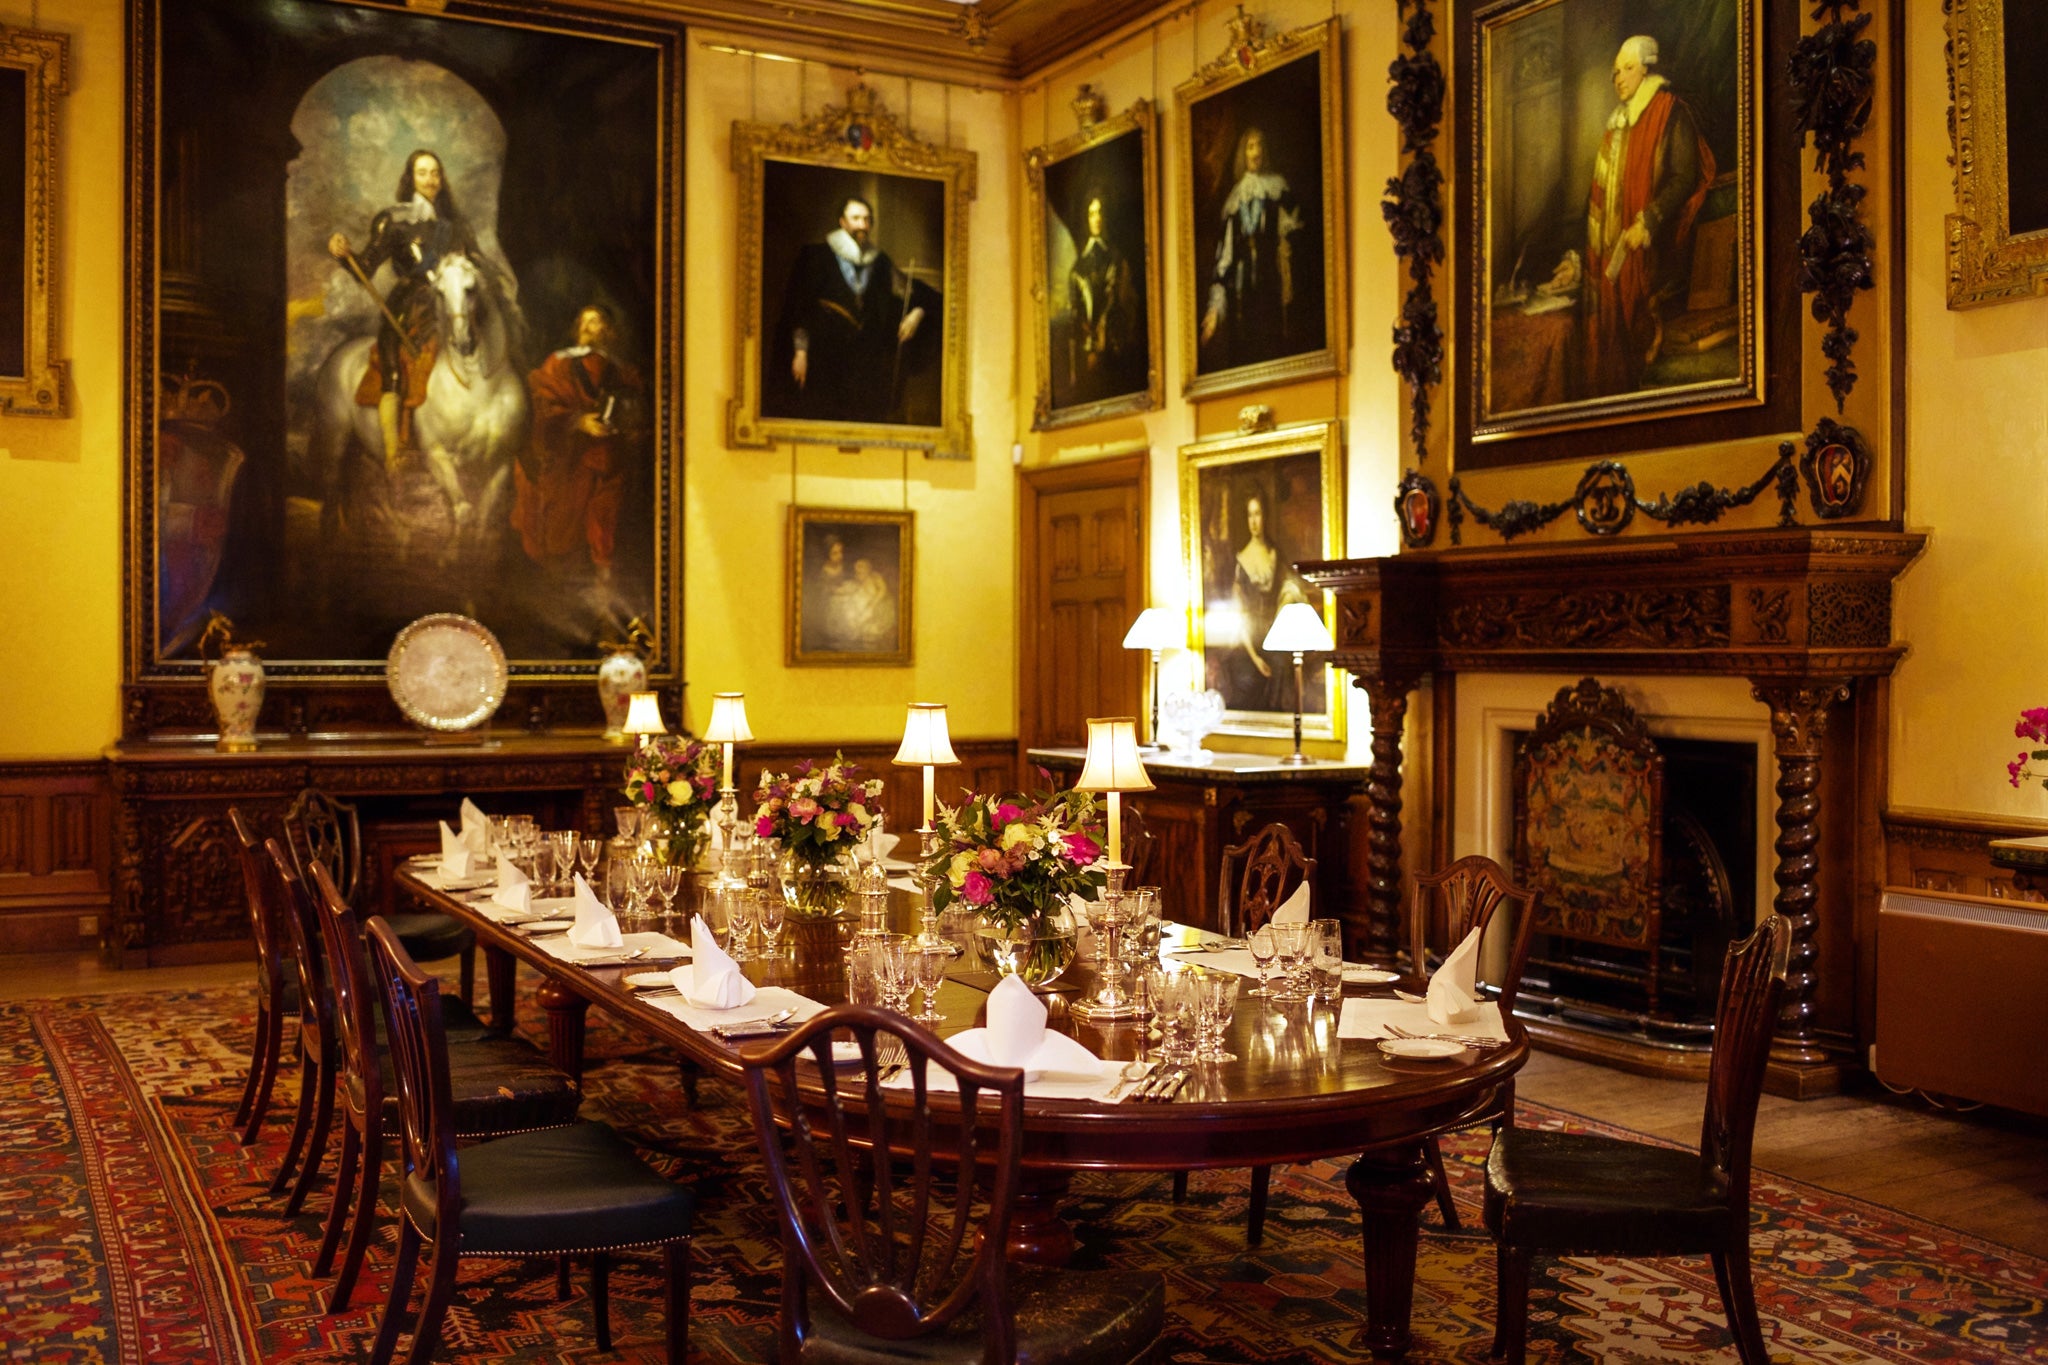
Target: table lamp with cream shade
[(727, 727), (1112, 767), (1157, 629), (1298, 629), (926, 744), (643, 717)]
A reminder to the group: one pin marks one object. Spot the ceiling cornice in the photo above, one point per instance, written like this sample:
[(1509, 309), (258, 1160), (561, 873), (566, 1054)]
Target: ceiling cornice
[(995, 43)]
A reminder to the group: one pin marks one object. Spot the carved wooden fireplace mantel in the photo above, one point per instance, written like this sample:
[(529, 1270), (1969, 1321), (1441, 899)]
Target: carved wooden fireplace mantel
[(1803, 614)]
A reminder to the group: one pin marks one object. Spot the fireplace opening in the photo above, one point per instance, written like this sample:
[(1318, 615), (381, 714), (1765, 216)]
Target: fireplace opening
[(1709, 896)]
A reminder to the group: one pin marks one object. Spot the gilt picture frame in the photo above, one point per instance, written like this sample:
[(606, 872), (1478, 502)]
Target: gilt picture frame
[(369, 378), (1585, 315), (1094, 219), (1998, 235), (1252, 505), (852, 584), (852, 320), (1260, 170), (34, 75)]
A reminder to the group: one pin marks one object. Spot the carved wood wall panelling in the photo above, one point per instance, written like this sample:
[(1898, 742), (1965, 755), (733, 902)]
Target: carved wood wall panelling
[(1938, 851), (56, 852)]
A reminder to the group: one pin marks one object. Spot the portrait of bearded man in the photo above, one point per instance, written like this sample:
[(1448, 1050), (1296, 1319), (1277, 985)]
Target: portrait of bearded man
[(857, 333)]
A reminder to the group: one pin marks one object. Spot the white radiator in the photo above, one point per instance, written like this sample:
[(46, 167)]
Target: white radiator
[(1962, 997)]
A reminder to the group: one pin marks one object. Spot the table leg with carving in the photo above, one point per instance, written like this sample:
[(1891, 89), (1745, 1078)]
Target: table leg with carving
[(1391, 1185), (565, 1011), (1038, 1235)]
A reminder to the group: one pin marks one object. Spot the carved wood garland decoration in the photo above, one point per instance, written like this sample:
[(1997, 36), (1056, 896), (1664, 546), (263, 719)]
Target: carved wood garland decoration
[(1605, 500), (1833, 74), (1414, 210)]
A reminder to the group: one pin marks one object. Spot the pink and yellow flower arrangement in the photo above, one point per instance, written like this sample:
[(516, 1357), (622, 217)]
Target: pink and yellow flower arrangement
[(675, 781), (818, 813), (1015, 858)]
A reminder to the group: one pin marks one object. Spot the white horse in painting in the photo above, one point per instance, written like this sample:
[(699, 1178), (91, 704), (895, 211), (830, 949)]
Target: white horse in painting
[(471, 424)]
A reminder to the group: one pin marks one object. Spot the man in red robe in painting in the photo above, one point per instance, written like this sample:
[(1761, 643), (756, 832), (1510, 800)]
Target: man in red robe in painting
[(569, 486), (1649, 181)]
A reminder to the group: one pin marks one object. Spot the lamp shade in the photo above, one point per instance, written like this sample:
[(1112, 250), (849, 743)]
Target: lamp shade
[(643, 716), (925, 741), (1113, 764), (1299, 629), (728, 723), (1157, 628)]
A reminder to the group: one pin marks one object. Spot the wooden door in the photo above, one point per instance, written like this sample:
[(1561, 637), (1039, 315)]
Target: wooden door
[(1083, 538)]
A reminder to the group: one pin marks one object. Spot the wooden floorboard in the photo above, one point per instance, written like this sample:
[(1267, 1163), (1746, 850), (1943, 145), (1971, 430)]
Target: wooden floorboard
[(1984, 1173)]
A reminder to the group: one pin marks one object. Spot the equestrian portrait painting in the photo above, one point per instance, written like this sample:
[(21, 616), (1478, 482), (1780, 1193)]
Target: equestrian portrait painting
[(409, 344)]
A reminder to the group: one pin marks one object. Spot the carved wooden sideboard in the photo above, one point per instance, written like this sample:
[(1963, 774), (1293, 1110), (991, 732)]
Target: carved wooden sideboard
[(177, 886), (1803, 614), (1197, 809)]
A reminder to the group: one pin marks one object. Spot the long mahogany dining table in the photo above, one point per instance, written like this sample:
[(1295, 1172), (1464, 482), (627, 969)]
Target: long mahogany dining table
[(1296, 1093)]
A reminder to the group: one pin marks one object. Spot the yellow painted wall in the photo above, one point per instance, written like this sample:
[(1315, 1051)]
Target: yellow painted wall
[(1977, 424), (1148, 65), (736, 501), (60, 479)]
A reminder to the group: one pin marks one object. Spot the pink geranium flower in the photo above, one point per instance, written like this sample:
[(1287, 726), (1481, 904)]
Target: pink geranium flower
[(1079, 848), (764, 827), (1007, 813), (975, 889), (2033, 724)]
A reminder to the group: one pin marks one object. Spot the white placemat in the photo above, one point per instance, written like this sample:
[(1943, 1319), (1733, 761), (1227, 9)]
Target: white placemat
[(905, 884), (1238, 960), (1368, 1019), (432, 877), (1065, 1086), (656, 946), (767, 1001)]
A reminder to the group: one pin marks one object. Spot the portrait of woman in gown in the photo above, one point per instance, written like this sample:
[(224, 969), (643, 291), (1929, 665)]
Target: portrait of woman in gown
[(1261, 582)]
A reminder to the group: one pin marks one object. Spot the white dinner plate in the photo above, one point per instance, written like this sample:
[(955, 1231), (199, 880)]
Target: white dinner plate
[(1420, 1049), (1358, 974), (648, 981), (546, 926)]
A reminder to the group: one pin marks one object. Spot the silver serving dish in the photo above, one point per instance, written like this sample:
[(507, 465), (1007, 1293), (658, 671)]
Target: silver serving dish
[(446, 672)]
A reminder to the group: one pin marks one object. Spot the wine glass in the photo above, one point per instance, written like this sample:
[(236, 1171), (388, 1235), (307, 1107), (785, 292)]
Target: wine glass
[(1215, 1006), (668, 884), (930, 966), (587, 851), (629, 821), (769, 909), (543, 855), (739, 921), (642, 888), (893, 970), (1293, 940), (1265, 946)]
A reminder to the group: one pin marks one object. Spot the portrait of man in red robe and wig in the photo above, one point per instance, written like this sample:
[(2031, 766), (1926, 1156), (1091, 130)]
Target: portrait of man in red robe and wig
[(1649, 180)]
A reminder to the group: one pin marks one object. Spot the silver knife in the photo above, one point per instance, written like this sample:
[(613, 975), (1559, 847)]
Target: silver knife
[(1180, 1078), (1161, 1085)]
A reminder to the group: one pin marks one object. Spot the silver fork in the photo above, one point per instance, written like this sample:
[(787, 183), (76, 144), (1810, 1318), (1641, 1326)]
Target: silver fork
[(1461, 1038), (1133, 1069)]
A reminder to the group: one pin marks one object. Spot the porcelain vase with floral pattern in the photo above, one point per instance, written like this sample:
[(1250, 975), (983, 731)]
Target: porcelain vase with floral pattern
[(235, 683)]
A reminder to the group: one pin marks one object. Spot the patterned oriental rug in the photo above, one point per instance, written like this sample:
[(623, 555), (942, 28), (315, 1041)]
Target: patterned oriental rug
[(134, 1228)]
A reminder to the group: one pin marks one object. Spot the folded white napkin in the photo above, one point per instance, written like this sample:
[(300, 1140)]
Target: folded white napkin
[(712, 981), (595, 926), (883, 844), (1451, 999), (1293, 910), (476, 831), (515, 891), (1017, 1036), (454, 856), (1369, 1018)]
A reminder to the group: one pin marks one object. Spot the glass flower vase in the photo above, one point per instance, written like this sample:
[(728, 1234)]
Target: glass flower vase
[(815, 888), (1037, 947)]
